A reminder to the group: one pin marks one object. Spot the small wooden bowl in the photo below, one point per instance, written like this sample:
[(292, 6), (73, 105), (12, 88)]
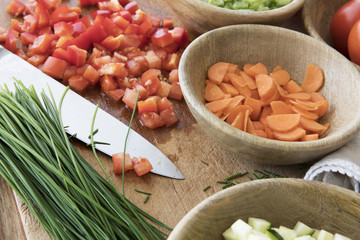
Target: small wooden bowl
[(273, 46), (200, 17), (281, 201)]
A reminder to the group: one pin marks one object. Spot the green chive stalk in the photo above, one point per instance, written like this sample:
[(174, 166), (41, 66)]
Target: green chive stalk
[(70, 199)]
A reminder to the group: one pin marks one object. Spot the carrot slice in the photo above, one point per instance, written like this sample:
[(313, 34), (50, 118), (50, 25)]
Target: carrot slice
[(299, 96), (269, 133), (314, 79), (266, 111), (283, 122), (260, 133), (213, 92), (312, 125), (246, 119), (235, 102), (236, 80), (250, 126), (229, 89), (216, 72), (257, 69), (238, 121), (322, 109), (255, 94), (326, 125), (218, 105), (249, 81), (310, 137), (245, 91), (235, 111), (304, 113), (277, 68), (305, 107), (280, 107), (255, 105), (266, 86), (274, 97), (281, 76), (292, 87), (292, 135), (258, 125), (232, 68), (282, 91), (246, 67)]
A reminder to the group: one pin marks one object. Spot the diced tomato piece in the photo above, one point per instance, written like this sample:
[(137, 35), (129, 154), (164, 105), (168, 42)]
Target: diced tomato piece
[(49, 4), (142, 166), (44, 30), (113, 43), (131, 7), (98, 62), (17, 25), (92, 75), (30, 23), (138, 17), (80, 70), (179, 35), (41, 44), (116, 94), (63, 40), (78, 83), (132, 29), (125, 14), (107, 83), (161, 53), (82, 41), (36, 60), (171, 62), (111, 28), (175, 91), (129, 98), (146, 27), (164, 89), (155, 20), (21, 53), (169, 116), (118, 161), (123, 2), (151, 120), (174, 76), (133, 67), (78, 28), (76, 56), (11, 40), (161, 37), (16, 8), (163, 104), (172, 48), (167, 23), (27, 38), (104, 13), (151, 80), (54, 67), (113, 69), (120, 22), (104, 5), (3, 34), (85, 20), (115, 6), (131, 40), (42, 15), (96, 33), (62, 29), (60, 53), (84, 3), (63, 13), (68, 73), (148, 105), (143, 92), (153, 60)]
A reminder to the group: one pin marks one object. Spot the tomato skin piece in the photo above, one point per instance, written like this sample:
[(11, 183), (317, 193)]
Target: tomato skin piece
[(142, 166), (118, 163), (54, 67), (354, 43), (341, 24), (16, 8)]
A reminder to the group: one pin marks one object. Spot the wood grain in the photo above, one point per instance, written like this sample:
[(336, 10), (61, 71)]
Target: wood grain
[(201, 160)]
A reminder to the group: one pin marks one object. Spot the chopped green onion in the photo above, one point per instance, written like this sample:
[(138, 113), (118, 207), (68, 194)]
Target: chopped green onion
[(223, 182), (235, 176), (206, 188), (146, 193), (147, 198), (228, 185)]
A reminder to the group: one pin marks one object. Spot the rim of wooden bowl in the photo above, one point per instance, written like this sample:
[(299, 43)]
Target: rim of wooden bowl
[(259, 142)]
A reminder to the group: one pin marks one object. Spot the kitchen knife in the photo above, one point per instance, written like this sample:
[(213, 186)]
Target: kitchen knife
[(77, 114)]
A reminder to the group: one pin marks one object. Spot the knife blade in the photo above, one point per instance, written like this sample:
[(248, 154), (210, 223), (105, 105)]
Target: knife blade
[(77, 114)]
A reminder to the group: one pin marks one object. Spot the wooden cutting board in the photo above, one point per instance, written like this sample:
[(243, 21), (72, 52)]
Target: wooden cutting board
[(202, 161)]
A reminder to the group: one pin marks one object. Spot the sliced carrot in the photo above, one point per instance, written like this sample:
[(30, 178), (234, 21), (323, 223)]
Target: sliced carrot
[(245, 91), (274, 97), (257, 69), (292, 135), (229, 89), (326, 125), (277, 68), (322, 109), (281, 90), (304, 113), (232, 68), (316, 96), (283, 122), (235, 102), (305, 107), (258, 125), (280, 107), (281, 76), (266, 111), (299, 96), (247, 66), (310, 137), (235, 111), (264, 122), (269, 132), (213, 92), (292, 87), (249, 81), (218, 105), (250, 126), (314, 79), (216, 72), (260, 133), (255, 94), (266, 86), (246, 119), (255, 105), (312, 125), (236, 80), (238, 121), (218, 114)]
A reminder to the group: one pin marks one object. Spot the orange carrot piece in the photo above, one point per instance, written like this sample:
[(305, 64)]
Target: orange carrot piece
[(229, 89), (314, 79), (235, 102), (255, 105), (281, 90), (255, 94), (303, 106), (322, 109), (266, 111), (258, 125), (316, 96), (245, 91), (249, 81), (292, 87), (280, 107), (236, 80), (266, 86), (238, 121), (250, 126), (304, 113), (246, 119), (274, 97), (277, 68), (310, 137), (218, 114), (282, 76), (295, 134), (269, 133), (283, 122), (312, 125), (247, 66), (213, 92), (257, 69), (218, 105), (216, 72), (299, 96), (235, 111), (260, 133), (232, 68), (326, 125)]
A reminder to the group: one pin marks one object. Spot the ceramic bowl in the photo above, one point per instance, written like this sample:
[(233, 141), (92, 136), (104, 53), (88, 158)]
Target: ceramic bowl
[(200, 17), (280, 201), (272, 46)]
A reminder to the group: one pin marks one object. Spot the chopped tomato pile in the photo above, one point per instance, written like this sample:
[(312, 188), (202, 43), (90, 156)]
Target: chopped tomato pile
[(140, 165), (268, 105), (118, 47)]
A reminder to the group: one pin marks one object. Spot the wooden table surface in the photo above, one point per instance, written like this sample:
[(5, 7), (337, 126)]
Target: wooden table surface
[(201, 160)]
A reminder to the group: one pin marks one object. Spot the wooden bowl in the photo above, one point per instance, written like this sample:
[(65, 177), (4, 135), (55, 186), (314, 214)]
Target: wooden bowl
[(281, 201), (273, 46), (200, 17)]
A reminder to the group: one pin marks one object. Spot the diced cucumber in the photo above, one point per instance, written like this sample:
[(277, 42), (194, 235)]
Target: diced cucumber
[(287, 233), (324, 235), (259, 224), (340, 237), (307, 237), (273, 234), (229, 235), (302, 229), (256, 235), (241, 229), (316, 233)]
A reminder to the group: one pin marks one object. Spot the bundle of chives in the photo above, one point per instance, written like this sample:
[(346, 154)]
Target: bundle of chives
[(69, 198)]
